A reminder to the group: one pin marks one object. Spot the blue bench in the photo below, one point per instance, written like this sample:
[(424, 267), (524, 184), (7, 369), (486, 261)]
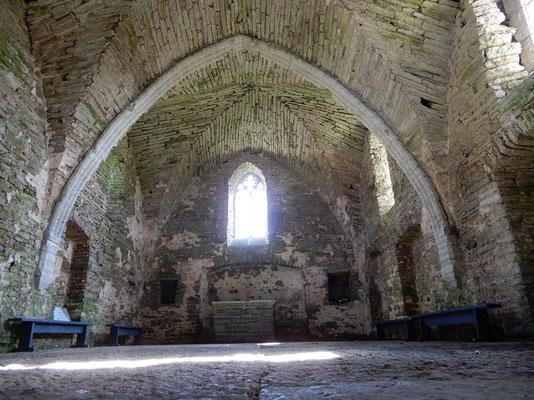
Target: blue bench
[(28, 327), (404, 323), (117, 330), (477, 315)]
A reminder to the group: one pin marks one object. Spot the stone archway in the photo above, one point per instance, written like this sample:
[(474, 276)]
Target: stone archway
[(79, 264), (343, 96)]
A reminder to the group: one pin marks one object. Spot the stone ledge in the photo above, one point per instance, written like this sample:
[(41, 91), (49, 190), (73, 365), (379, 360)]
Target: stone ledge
[(243, 304)]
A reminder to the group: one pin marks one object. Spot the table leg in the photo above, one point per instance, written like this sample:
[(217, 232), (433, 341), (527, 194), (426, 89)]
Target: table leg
[(137, 340), (380, 333), (81, 338), (425, 332), (113, 339), (410, 329), (481, 324), (25, 337)]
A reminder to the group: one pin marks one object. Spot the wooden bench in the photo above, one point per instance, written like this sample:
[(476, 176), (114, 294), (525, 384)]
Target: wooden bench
[(404, 323), (477, 315), (117, 330), (28, 327)]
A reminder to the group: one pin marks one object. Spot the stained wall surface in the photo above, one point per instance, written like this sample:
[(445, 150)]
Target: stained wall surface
[(305, 244), (23, 167), (450, 78)]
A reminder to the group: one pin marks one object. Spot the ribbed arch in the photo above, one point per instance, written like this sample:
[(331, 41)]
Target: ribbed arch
[(344, 97)]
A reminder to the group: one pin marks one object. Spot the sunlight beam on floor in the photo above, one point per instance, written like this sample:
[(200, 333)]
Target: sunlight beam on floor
[(245, 357)]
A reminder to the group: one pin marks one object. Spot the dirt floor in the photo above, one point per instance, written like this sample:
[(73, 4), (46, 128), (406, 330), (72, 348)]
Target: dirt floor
[(333, 370)]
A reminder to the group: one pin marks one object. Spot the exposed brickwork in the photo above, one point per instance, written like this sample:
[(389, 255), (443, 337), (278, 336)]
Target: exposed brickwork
[(114, 283), (22, 168), (351, 40), (520, 15), (77, 271), (514, 166), (243, 321), (485, 233), (98, 269), (201, 59), (408, 269), (396, 240), (305, 243), (194, 88)]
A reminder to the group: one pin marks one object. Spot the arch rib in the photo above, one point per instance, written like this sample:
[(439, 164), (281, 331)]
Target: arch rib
[(123, 122)]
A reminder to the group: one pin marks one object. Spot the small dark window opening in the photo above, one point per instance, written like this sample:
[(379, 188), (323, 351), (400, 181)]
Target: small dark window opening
[(339, 287), (168, 291), (427, 103)]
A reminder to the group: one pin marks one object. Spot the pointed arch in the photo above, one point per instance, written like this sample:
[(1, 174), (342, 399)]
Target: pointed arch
[(343, 96)]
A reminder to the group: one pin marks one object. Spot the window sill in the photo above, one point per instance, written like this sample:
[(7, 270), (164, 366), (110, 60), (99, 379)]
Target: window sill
[(248, 242), (340, 303)]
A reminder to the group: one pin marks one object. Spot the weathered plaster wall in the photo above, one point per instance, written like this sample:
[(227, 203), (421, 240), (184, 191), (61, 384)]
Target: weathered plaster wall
[(23, 169), (305, 243)]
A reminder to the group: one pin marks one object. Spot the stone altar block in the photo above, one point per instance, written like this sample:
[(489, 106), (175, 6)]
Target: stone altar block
[(243, 321)]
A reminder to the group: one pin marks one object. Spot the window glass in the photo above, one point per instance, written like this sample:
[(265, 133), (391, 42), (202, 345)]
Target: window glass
[(247, 206), (250, 208)]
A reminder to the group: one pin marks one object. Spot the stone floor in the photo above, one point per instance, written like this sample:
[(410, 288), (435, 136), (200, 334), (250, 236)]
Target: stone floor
[(334, 370)]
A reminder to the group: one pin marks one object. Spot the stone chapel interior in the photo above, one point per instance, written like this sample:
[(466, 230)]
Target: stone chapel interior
[(341, 161)]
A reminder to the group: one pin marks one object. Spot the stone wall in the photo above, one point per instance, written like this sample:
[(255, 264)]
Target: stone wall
[(512, 159), (449, 78), (521, 17), (401, 264), (481, 76), (305, 244), (98, 268), (98, 58), (23, 169), (109, 213)]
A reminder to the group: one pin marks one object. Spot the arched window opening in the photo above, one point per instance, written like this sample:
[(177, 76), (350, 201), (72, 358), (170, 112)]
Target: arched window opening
[(528, 43), (247, 206), (383, 185), (521, 17), (250, 208)]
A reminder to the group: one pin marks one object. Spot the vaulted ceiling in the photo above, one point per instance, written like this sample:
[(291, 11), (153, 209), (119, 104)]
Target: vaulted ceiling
[(97, 56), (243, 102)]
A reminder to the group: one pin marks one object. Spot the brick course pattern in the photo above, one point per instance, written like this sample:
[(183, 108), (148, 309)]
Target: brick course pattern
[(111, 112)]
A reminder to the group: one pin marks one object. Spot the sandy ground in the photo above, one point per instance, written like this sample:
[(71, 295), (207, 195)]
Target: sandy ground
[(333, 370)]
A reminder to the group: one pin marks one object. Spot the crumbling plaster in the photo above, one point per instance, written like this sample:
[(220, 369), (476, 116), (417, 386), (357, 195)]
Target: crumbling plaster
[(305, 243)]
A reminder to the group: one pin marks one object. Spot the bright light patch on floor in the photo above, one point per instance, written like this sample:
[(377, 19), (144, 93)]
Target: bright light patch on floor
[(246, 357)]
